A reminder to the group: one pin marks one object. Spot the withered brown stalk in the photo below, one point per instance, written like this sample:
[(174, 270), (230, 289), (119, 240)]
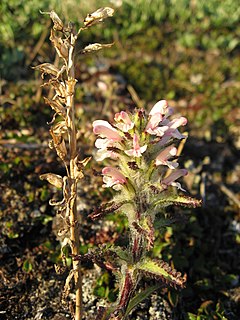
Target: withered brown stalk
[(64, 135), (63, 104), (72, 204)]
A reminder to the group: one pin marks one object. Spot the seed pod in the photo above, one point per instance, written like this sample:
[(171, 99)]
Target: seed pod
[(54, 179), (59, 144), (60, 128), (70, 84), (60, 45), (95, 47), (47, 68), (57, 22), (56, 106), (98, 16), (59, 87)]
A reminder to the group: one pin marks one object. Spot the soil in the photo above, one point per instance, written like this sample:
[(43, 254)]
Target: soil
[(206, 246)]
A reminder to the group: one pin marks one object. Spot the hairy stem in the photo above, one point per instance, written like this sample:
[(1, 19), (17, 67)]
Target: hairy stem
[(129, 281)]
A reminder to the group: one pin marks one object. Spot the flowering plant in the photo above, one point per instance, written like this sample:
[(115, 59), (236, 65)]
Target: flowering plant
[(142, 147)]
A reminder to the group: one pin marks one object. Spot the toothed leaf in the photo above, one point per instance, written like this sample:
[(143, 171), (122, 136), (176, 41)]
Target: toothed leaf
[(186, 201), (160, 270), (178, 200)]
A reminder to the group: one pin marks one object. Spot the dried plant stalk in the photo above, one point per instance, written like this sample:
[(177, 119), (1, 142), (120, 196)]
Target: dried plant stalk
[(63, 82), (72, 204)]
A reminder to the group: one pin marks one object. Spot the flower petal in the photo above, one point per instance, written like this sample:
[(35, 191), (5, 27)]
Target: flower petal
[(159, 107), (105, 130), (137, 150), (124, 123), (156, 115), (175, 123), (112, 177), (163, 156), (176, 174)]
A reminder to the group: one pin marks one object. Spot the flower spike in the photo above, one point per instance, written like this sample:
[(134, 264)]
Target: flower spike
[(143, 150)]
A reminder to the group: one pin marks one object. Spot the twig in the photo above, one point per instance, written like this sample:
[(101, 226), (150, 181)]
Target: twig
[(230, 194)]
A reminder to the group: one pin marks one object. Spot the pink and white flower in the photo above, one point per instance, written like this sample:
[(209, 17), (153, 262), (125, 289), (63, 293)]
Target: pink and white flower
[(172, 131), (109, 136), (105, 130), (163, 156), (176, 174), (137, 150), (160, 126), (104, 153), (113, 178), (161, 107), (124, 123), (173, 125), (156, 116)]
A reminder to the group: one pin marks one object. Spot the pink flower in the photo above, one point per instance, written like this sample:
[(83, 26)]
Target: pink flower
[(105, 130), (163, 156), (172, 131), (113, 178), (158, 131), (124, 123), (173, 125), (160, 126), (103, 143), (137, 150), (103, 152), (159, 107), (170, 180), (156, 116), (109, 136)]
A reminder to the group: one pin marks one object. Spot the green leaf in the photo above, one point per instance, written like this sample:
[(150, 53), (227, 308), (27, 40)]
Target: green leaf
[(100, 292), (161, 270), (27, 266), (179, 200), (44, 194), (191, 316), (122, 254), (47, 219), (140, 297)]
